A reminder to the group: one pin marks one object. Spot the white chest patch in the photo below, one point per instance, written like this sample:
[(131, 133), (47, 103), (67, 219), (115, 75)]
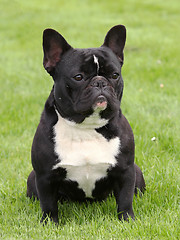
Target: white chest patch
[(85, 154)]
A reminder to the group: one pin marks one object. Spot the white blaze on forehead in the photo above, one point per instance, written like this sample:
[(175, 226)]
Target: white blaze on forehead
[(97, 63)]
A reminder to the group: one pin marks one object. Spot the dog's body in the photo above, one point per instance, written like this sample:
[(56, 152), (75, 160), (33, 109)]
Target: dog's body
[(84, 146)]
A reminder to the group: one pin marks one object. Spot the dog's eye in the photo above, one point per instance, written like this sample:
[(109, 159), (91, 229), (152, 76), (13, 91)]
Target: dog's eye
[(115, 75), (78, 77)]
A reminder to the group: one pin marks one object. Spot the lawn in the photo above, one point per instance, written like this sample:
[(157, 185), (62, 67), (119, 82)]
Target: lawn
[(151, 103)]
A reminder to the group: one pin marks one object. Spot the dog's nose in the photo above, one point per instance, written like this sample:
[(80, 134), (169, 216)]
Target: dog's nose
[(99, 82)]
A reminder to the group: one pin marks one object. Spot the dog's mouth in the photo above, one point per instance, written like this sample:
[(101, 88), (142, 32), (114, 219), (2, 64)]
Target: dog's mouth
[(100, 103)]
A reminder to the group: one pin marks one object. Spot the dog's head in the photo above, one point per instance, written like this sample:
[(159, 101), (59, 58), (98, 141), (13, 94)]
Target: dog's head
[(86, 81)]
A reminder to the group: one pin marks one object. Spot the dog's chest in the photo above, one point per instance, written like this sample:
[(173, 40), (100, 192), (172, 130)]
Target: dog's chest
[(85, 154)]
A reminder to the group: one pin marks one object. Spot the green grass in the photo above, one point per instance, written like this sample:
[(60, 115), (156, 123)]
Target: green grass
[(151, 58)]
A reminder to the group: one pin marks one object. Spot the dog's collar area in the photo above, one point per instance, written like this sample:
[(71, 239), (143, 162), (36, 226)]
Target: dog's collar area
[(94, 121)]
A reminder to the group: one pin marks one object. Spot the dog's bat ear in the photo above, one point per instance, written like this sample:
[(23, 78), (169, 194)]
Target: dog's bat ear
[(115, 40), (54, 46)]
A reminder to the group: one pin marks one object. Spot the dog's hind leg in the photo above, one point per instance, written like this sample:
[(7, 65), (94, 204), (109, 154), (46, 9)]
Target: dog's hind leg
[(140, 183), (31, 186)]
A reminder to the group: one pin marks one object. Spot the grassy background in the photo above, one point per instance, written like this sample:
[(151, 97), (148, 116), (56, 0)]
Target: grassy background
[(152, 58)]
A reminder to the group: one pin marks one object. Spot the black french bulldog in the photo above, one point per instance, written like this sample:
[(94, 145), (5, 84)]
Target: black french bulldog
[(84, 146)]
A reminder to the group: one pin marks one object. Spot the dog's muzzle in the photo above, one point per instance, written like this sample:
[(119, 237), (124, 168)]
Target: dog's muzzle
[(99, 82)]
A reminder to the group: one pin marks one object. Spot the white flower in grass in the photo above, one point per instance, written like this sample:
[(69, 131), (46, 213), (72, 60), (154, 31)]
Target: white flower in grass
[(153, 139)]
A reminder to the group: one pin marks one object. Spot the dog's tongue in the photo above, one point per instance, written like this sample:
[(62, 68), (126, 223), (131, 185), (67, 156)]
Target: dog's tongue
[(101, 102)]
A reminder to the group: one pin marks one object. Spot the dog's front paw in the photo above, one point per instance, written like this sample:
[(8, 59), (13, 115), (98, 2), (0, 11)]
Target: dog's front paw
[(46, 217), (125, 216)]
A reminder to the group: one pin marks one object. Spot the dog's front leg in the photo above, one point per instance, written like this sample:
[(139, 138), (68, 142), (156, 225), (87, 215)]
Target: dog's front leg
[(123, 192), (47, 192)]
